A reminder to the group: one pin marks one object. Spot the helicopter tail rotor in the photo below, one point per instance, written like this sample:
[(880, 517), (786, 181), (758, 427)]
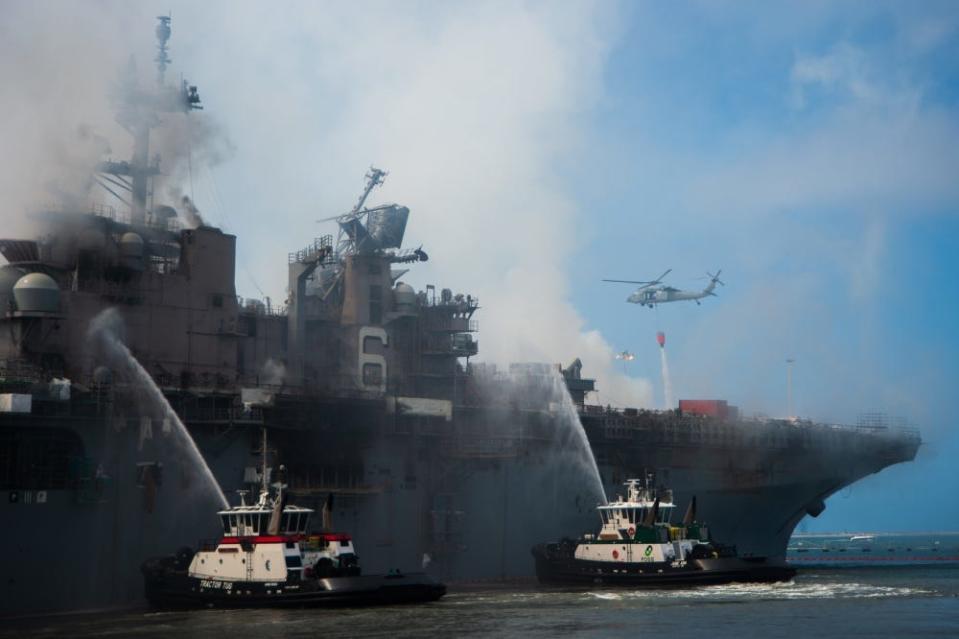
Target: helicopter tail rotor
[(715, 278)]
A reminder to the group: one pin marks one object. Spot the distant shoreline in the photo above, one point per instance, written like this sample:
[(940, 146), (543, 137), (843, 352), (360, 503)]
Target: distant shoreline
[(875, 534)]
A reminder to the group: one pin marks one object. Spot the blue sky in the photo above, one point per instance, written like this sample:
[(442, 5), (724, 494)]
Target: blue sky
[(807, 149), (840, 225)]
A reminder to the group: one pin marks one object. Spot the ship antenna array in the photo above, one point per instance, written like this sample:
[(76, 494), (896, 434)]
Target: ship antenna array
[(135, 176), (345, 242), (373, 179), (162, 59)]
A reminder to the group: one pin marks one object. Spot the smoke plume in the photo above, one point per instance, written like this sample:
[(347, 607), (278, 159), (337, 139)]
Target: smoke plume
[(191, 214)]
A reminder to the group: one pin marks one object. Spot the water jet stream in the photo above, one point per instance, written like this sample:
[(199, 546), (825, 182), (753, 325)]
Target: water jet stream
[(569, 420), (104, 332)]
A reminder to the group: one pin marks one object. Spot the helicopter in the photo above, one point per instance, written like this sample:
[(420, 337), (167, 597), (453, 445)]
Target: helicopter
[(652, 292)]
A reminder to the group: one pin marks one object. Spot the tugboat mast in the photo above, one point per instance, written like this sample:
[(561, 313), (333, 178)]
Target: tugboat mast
[(264, 476)]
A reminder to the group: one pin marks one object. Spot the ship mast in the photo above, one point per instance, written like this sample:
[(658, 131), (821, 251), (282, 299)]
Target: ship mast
[(138, 114)]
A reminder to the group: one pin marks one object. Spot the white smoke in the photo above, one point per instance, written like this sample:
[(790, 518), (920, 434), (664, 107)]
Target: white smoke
[(57, 68), (65, 70), (273, 373), (473, 108)]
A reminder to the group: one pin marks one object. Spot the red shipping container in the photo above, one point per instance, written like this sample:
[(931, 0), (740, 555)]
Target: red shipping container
[(709, 407)]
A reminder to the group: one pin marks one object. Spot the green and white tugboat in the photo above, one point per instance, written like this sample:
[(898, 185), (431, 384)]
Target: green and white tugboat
[(639, 546)]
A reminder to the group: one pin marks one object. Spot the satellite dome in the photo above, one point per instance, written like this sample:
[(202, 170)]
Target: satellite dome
[(405, 296), (36, 293), (131, 245)]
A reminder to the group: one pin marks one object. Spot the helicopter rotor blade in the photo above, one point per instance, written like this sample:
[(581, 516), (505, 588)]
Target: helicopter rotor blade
[(715, 277)]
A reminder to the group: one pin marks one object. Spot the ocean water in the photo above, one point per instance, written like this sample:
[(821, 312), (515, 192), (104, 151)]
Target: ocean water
[(908, 601)]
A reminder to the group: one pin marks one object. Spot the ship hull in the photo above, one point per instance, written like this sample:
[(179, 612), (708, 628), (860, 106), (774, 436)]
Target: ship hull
[(410, 497), (170, 590)]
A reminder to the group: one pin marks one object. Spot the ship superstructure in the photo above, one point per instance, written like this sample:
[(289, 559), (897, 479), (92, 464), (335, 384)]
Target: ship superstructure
[(365, 385)]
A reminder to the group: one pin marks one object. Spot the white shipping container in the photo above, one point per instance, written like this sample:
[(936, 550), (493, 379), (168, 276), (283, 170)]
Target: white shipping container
[(15, 403)]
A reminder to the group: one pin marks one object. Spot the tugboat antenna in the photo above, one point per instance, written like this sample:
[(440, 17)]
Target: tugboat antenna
[(265, 480)]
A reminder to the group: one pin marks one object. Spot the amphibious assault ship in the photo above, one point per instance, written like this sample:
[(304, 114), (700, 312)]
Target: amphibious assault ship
[(365, 385)]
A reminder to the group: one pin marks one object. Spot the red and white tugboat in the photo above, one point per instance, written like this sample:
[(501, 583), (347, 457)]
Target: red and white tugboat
[(638, 546), (267, 558)]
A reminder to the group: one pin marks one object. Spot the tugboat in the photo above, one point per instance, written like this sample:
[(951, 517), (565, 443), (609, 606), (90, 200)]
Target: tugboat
[(638, 546), (267, 558)]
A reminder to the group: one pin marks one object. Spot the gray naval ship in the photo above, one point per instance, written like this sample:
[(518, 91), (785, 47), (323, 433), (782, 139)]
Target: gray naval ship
[(365, 386)]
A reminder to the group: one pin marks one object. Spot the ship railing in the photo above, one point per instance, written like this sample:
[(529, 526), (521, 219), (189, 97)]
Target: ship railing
[(18, 371), (260, 307), (320, 249), (108, 212), (460, 302), (486, 448)]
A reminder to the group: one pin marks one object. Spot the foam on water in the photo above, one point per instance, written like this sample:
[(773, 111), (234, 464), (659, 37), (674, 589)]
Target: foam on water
[(767, 592), (105, 330)]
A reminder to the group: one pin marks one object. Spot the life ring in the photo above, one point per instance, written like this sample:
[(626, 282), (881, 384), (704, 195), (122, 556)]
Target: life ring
[(615, 554), (631, 531)]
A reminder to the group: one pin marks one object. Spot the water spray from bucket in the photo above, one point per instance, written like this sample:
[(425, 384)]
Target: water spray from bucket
[(667, 382), (104, 333)]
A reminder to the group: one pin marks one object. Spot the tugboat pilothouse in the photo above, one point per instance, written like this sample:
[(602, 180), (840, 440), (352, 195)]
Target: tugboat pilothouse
[(638, 545), (267, 557)]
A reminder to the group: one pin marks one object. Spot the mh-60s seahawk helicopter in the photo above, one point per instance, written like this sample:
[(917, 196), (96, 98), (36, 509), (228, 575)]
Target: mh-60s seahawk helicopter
[(650, 294)]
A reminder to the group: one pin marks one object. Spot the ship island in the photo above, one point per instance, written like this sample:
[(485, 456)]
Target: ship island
[(369, 391)]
